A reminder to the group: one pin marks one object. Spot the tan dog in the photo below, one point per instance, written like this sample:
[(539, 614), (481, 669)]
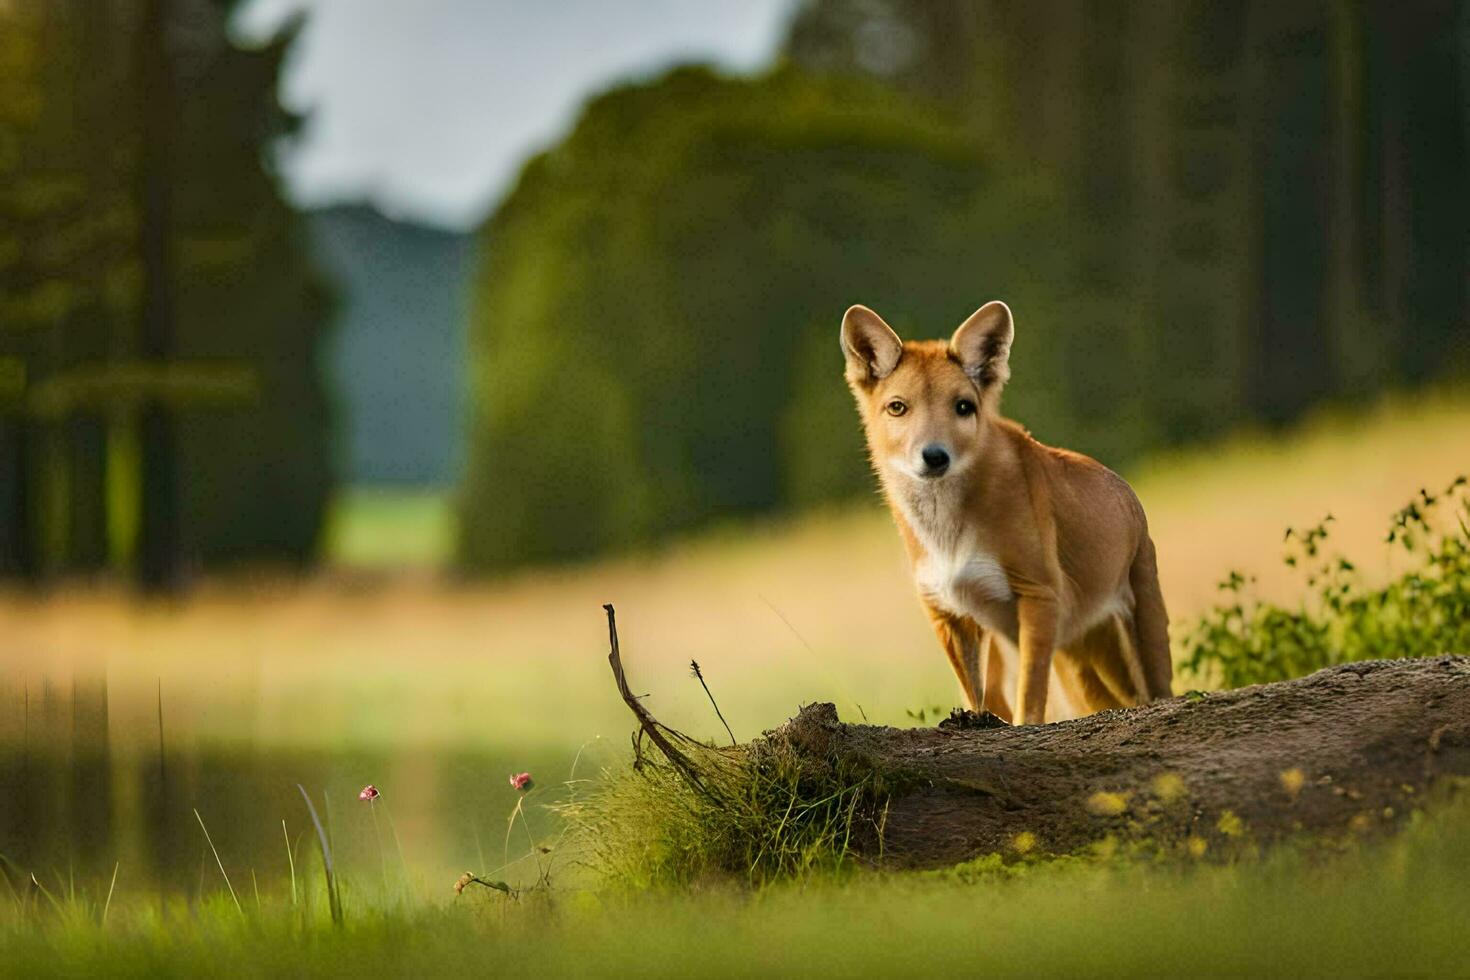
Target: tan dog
[(1025, 556)]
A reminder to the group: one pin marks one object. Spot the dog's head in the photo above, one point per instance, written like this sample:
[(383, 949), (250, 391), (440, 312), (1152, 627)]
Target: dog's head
[(926, 404)]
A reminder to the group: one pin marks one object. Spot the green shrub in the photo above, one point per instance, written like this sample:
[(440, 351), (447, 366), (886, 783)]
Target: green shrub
[(1422, 611)]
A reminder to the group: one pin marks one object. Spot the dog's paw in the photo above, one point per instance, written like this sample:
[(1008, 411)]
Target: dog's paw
[(962, 719)]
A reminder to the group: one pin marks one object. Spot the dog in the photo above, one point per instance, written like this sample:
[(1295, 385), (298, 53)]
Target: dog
[(1026, 557)]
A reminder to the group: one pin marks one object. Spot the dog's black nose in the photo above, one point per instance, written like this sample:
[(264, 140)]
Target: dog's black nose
[(935, 458)]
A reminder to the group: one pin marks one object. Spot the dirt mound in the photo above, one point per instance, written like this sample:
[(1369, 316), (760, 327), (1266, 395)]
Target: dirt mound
[(1347, 750)]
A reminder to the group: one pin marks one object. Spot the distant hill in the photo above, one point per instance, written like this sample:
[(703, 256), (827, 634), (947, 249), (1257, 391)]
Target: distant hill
[(396, 362)]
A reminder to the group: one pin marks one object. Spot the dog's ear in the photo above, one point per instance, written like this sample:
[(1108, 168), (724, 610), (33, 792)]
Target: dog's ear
[(871, 347), (983, 344)]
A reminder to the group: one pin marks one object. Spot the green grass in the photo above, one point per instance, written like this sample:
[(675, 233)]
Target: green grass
[(755, 815), (1393, 907), (390, 528)]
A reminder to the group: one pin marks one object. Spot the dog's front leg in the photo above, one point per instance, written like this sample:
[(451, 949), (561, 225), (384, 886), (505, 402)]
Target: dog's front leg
[(1038, 629)]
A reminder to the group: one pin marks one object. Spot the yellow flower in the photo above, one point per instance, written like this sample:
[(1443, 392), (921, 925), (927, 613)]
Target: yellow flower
[(1103, 804), (1168, 787), (1230, 825)]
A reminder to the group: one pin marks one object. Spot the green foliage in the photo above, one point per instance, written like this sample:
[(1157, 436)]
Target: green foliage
[(1238, 242), (1423, 611), (1186, 250), (257, 476), (248, 305), (655, 322)]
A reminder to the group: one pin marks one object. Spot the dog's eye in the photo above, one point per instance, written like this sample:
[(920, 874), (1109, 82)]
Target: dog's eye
[(964, 407), (895, 408)]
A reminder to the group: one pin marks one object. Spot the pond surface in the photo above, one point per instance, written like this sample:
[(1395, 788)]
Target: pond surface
[(79, 798)]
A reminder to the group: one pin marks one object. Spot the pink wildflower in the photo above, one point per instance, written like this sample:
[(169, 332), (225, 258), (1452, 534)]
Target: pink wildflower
[(521, 781), (369, 793)]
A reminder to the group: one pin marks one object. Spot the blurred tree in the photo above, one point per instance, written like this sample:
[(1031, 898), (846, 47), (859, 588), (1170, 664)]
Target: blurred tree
[(1268, 200), (655, 329), (159, 322), (1204, 213), (22, 84), (155, 63), (257, 480)]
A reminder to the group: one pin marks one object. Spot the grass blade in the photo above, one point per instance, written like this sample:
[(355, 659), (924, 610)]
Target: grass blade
[(37, 887), (219, 862), (334, 901), (108, 904), (290, 860)]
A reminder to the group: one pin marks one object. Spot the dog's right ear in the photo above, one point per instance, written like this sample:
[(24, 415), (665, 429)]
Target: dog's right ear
[(871, 347)]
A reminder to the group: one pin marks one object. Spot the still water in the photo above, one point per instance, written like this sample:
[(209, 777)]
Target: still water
[(79, 798)]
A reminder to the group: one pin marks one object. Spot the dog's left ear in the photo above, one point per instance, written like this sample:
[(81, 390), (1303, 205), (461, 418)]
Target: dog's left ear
[(983, 344)]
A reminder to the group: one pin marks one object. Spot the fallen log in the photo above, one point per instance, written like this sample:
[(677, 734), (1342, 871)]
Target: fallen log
[(1350, 749), (1343, 750)]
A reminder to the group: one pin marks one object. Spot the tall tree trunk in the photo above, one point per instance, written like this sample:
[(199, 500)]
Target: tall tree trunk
[(159, 559), (91, 333), (17, 537), (1293, 367)]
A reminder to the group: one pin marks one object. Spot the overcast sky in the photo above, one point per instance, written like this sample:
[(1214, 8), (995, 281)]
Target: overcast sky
[(428, 107)]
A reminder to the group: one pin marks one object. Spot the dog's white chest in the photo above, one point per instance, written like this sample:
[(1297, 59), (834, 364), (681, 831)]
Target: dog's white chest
[(963, 582)]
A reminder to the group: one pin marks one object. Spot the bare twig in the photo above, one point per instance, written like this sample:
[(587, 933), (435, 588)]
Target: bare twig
[(646, 722), (470, 878), (699, 675)]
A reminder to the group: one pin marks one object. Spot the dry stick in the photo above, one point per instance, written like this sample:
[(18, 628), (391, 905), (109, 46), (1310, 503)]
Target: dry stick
[(699, 674), (649, 725)]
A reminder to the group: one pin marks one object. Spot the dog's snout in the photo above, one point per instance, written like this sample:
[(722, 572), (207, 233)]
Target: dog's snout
[(936, 459)]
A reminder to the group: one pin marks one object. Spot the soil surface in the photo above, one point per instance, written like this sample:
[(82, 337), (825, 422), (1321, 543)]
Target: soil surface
[(1349, 750)]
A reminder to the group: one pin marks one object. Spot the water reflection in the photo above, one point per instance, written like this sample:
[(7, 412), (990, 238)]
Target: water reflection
[(77, 799)]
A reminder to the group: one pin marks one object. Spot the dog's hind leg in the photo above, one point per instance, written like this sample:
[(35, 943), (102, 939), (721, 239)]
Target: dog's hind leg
[(1150, 623)]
